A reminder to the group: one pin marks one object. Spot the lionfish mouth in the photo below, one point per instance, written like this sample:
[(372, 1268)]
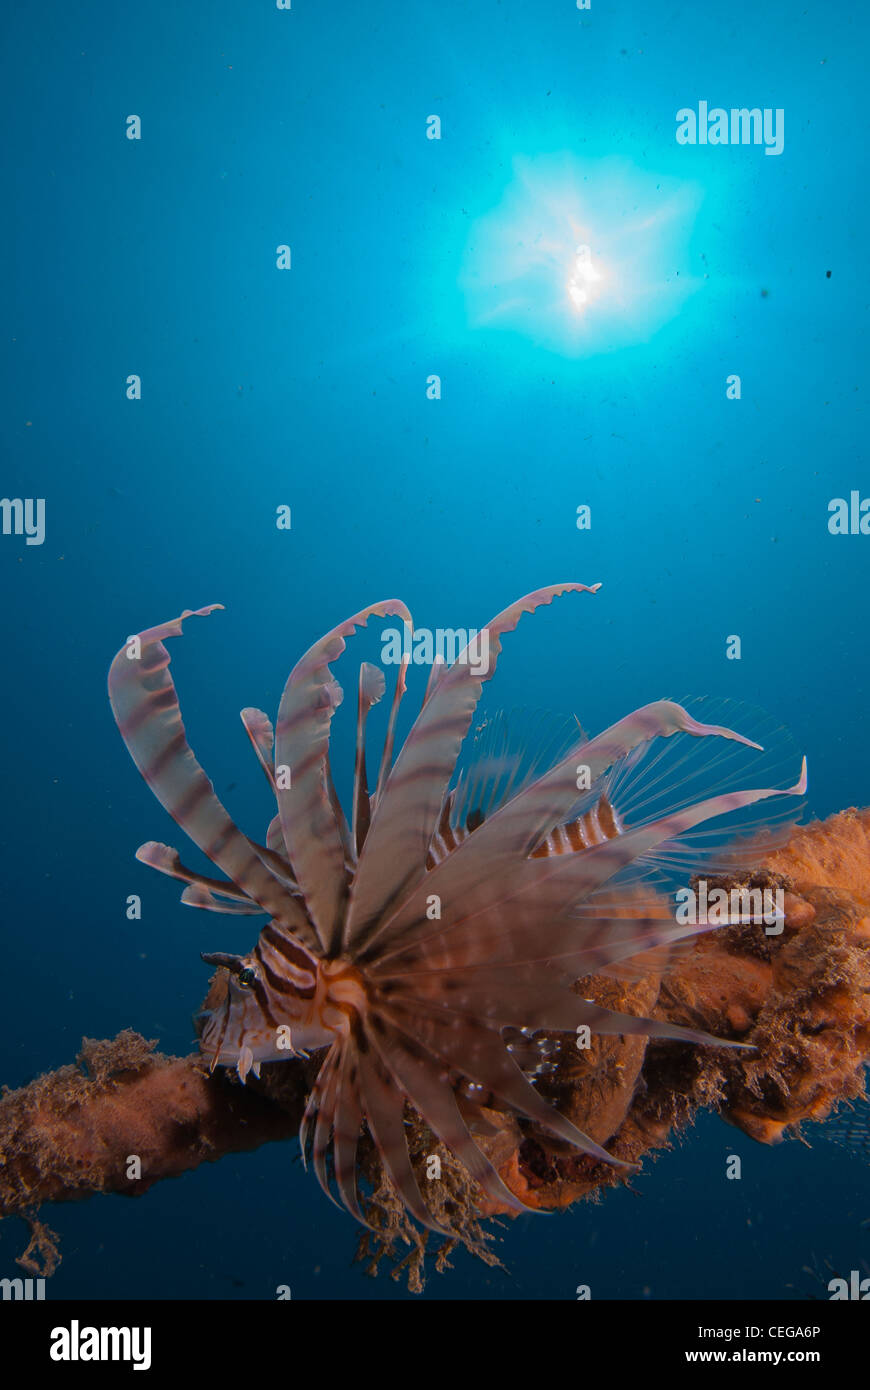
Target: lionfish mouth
[(216, 1048)]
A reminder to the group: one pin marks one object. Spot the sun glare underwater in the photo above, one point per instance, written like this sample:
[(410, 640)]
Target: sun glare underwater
[(448, 302), (582, 256)]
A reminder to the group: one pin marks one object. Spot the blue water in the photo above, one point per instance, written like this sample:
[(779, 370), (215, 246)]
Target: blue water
[(307, 388)]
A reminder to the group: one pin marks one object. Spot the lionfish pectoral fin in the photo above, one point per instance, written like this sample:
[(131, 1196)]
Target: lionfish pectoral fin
[(654, 782), (478, 1052), (384, 1105), (498, 850), (634, 1025), (553, 883), (167, 860), (334, 1104), (346, 1129), (419, 1074), (314, 1098), (196, 896), (673, 842), (508, 750), (323, 1126)]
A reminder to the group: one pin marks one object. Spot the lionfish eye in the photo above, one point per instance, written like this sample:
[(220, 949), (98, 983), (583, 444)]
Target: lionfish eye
[(247, 976)]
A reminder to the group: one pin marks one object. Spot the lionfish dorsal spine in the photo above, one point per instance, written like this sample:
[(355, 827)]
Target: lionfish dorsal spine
[(314, 841)]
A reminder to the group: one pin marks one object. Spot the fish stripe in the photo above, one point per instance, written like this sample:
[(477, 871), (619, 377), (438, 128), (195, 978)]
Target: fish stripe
[(281, 983), (290, 949)]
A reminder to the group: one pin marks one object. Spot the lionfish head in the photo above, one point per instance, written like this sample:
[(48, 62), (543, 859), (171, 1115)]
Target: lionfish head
[(242, 1023), (231, 1016)]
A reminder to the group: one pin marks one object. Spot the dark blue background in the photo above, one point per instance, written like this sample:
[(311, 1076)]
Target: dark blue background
[(308, 388)]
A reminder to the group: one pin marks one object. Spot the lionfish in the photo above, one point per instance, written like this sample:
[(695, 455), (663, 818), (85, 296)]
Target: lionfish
[(419, 938)]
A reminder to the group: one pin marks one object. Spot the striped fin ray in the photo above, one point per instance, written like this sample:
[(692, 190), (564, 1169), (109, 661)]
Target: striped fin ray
[(383, 1099), (516, 828), (312, 835), (420, 1077), (372, 685), (318, 1098), (446, 836), (196, 896), (503, 997), (276, 861), (258, 727), (211, 893), (503, 755), (406, 816), (627, 947), (387, 755), (467, 1043), (323, 1124), (604, 861), (145, 705), (275, 837), (167, 860), (668, 774), (347, 1122), (544, 889), (587, 828), (356, 1081), (436, 671), (340, 818), (573, 945), (520, 825)]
